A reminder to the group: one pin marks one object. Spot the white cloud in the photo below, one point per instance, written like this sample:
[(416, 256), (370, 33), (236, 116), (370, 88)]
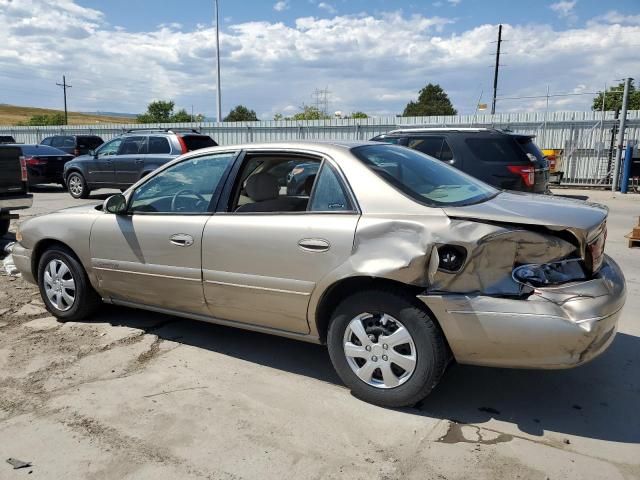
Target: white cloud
[(281, 6), (328, 7), (454, 2), (373, 63), (564, 8), (615, 17)]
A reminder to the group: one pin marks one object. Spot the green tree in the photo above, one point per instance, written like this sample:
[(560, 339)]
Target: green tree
[(279, 116), (432, 100), (358, 115), (310, 113), (51, 119), (241, 114), (181, 116), (161, 111), (613, 98)]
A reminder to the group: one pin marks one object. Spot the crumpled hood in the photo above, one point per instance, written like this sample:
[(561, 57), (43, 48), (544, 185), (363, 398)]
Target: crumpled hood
[(555, 213)]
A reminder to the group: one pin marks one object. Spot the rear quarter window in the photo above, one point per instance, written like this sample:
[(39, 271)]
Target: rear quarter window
[(499, 149), (196, 142), (89, 142)]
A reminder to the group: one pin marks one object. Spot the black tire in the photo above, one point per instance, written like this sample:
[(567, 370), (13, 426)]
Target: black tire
[(430, 346), (77, 185), (86, 300), (4, 226)]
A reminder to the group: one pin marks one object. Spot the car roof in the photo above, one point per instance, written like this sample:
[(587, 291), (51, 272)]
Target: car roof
[(480, 130), (319, 146)]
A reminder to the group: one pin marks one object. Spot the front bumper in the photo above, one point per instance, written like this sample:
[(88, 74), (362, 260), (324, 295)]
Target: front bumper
[(22, 260), (555, 327)]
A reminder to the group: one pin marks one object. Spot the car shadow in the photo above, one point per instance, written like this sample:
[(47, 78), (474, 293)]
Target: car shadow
[(47, 188), (598, 400)]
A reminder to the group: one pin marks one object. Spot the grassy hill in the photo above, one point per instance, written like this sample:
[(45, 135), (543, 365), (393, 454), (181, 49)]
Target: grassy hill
[(13, 115)]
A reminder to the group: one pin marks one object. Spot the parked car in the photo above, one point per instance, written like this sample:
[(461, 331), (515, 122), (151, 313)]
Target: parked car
[(75, 145), (14, 188), (506, 160), (123, 161), (7, 139), (44, 164), (397, 261)]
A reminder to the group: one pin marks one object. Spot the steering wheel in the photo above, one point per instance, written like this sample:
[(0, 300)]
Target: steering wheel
[(182, 192)]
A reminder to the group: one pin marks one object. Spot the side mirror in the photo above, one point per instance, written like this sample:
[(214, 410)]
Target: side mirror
[(116, 204)]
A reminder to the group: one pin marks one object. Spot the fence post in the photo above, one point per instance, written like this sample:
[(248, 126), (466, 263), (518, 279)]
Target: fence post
[(626, 171)]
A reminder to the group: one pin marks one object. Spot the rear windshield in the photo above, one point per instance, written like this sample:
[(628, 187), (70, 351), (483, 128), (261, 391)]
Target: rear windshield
[(526, 143), (196, 142), (89, 142), (385, 139), (423, 178), (498, 148), (35, 150)]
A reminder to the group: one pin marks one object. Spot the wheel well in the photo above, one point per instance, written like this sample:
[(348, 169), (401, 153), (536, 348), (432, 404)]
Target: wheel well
[(343, 288), (73, 170), (41, 247)]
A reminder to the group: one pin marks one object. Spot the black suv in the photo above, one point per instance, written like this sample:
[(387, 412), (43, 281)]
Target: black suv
[(123, 161), (73, 144), (506, 160)]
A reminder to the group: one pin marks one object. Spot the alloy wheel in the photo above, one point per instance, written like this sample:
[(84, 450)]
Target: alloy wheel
[(75, 185), (59, 285), (380, 350)]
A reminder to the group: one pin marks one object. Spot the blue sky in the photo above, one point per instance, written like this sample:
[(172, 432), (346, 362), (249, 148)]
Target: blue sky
[(374, 56)]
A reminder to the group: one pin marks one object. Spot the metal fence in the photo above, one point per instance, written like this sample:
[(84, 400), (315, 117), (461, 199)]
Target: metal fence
[(584, 137)]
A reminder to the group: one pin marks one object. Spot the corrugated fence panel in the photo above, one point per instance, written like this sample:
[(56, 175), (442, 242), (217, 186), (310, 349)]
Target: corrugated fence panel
[(585, 137)]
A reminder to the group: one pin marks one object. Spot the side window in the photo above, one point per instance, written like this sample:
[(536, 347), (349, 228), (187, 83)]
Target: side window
[(110, 148), (432, 146), (446, 154), (159, 145), (186, 187), (329, 194), (133, 146), (57, 142), (68, 142), (46, 141)]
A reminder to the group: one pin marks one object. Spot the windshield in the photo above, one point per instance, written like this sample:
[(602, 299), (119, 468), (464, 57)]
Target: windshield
[(423, 178)]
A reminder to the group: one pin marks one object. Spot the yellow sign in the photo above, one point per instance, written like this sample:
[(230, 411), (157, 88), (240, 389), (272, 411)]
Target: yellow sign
[(482, 106)]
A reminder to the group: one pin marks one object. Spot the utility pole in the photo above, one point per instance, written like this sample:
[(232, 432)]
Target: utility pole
[(64, 86), (623, 122), (219, 104), (495, 73)]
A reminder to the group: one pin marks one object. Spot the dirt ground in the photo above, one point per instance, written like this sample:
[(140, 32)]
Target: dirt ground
[(139, 395)]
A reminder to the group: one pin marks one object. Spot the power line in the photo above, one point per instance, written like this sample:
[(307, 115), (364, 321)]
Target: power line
[(64, 86)]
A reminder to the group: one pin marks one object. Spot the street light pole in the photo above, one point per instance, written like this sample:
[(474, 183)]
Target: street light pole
[(623, 121), (219, 104)]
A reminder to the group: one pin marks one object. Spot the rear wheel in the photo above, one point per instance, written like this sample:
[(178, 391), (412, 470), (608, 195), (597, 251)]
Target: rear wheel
[(386, 348), (77, 186), (64, 286)]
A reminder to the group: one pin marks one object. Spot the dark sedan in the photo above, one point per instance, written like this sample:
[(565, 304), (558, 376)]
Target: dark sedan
[(44, 164)]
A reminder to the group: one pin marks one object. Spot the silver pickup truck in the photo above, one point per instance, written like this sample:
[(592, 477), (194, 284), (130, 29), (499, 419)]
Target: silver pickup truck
[(14, 193)]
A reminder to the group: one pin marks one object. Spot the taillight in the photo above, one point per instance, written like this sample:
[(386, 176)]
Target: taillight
[(595, 251), (527, 173), (23, 169), (183, 145), (76, 152), (34, 161)]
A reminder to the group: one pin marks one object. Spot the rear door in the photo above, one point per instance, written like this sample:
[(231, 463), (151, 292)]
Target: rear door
[(158, 153), (260, 267), (435, 146), (65, 143), (130, 160)]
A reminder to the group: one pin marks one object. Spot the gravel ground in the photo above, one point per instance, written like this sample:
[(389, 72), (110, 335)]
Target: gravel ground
[(133, 394)]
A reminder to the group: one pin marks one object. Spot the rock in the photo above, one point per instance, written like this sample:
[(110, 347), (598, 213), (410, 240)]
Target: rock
[(28, 310), (42, 324)]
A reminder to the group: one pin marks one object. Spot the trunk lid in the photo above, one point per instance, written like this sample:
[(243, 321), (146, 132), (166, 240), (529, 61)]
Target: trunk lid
[(584, 219)]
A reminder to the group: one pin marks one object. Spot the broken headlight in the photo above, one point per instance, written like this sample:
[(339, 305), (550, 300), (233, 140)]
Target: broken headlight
[(549, 274)]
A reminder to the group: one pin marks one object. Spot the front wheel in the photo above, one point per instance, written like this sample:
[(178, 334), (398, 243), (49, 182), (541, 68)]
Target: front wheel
[(386, 348), (77, 186), (64, 286)]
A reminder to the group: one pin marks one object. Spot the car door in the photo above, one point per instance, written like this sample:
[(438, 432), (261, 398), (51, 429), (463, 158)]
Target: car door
[(152, 255), (260, 268), (158, 153), (102, 169), (130, 160)]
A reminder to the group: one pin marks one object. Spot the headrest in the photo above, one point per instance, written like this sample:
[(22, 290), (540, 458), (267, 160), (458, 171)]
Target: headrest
[(262, 186)]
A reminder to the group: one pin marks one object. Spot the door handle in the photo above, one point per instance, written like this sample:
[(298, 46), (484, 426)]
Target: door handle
[(314, 244), (181, 240), (138, 160)]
